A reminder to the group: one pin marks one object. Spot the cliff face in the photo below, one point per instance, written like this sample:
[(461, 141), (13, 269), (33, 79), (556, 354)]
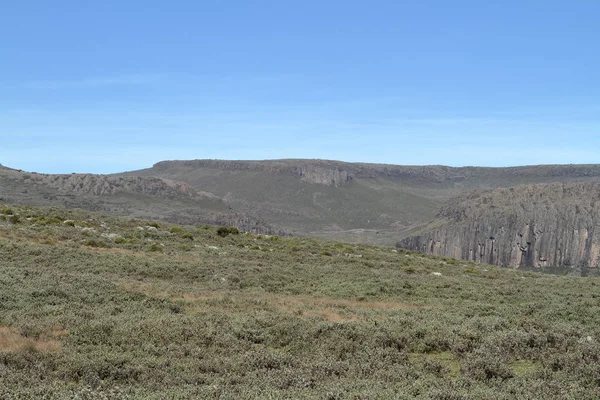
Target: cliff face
[(546, 225), (328, 173), (337, 173)]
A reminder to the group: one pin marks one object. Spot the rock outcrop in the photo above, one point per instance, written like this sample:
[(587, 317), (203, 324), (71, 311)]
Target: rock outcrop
[(545, 225), (328, 173), (102, 185), (337, 173)]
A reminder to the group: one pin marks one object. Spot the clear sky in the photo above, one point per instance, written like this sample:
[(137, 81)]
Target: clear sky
[(107, 86)]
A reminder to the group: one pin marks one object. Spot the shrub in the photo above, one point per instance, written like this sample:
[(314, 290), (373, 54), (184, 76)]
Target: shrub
[(188, 236), (120, 240), (176, 229), (224, 231), (154, 225), (43, 220), (155, 248), (7, 211), (92, 243), (14, 219)]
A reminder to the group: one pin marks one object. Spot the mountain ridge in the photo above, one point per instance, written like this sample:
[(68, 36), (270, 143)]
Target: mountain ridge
[(355, 202)]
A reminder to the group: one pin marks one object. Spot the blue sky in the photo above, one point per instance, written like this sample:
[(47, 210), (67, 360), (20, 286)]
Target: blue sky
[(108, 86)]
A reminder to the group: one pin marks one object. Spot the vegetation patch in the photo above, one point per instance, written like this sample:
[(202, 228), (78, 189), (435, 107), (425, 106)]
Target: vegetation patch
[(12, 341), (211, 318)]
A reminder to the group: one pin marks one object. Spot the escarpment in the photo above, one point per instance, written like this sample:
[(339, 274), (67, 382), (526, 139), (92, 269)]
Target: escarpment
[(545, 225), (328, 173), (102, 185)]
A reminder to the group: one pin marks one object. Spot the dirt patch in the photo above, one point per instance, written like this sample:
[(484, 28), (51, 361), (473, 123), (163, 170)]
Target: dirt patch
[(327, 308), (112, 250), (14, 341)]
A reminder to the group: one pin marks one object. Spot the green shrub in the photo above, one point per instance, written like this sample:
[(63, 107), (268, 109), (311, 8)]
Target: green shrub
[(155, 248), (224, 231), (176, 229), (120, 240), (14, 219), (44, 220), (7, 211), (92, 243), (188, 236), (154, 225)]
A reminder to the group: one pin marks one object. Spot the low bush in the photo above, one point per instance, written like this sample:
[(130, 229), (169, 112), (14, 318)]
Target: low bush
[(154, 248), (224, 231)]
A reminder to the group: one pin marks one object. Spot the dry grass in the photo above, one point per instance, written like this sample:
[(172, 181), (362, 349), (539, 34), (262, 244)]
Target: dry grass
[(14, 341), (327, 308)]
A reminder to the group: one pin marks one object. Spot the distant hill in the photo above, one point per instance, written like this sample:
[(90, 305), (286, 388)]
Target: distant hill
[(544, 225), (360, 202), (354, 202), (135, 196)]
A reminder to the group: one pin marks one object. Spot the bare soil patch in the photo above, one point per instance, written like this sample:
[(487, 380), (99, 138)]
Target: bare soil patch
[(11, 340)]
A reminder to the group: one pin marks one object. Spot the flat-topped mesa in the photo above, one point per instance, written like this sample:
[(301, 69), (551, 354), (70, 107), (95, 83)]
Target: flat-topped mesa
[(337, 172), (545, 225), (318, 171)]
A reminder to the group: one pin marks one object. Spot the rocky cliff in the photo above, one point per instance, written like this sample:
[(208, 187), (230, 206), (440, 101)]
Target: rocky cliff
[(545, 225), (323, 172), (337, 173)]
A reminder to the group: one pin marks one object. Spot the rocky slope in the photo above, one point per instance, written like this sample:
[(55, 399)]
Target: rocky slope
[(545, 225), (148, 197), (358, 202), (338, 173)]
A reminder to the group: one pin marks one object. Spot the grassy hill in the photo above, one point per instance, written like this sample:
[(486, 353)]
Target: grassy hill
[(368, 203), (135, 196), (103, 307), (353, 202)]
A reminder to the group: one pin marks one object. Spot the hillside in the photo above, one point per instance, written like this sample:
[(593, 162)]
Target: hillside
[(356, 202), (134, 196), (546, 225), (102, 307), (350, 201)]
